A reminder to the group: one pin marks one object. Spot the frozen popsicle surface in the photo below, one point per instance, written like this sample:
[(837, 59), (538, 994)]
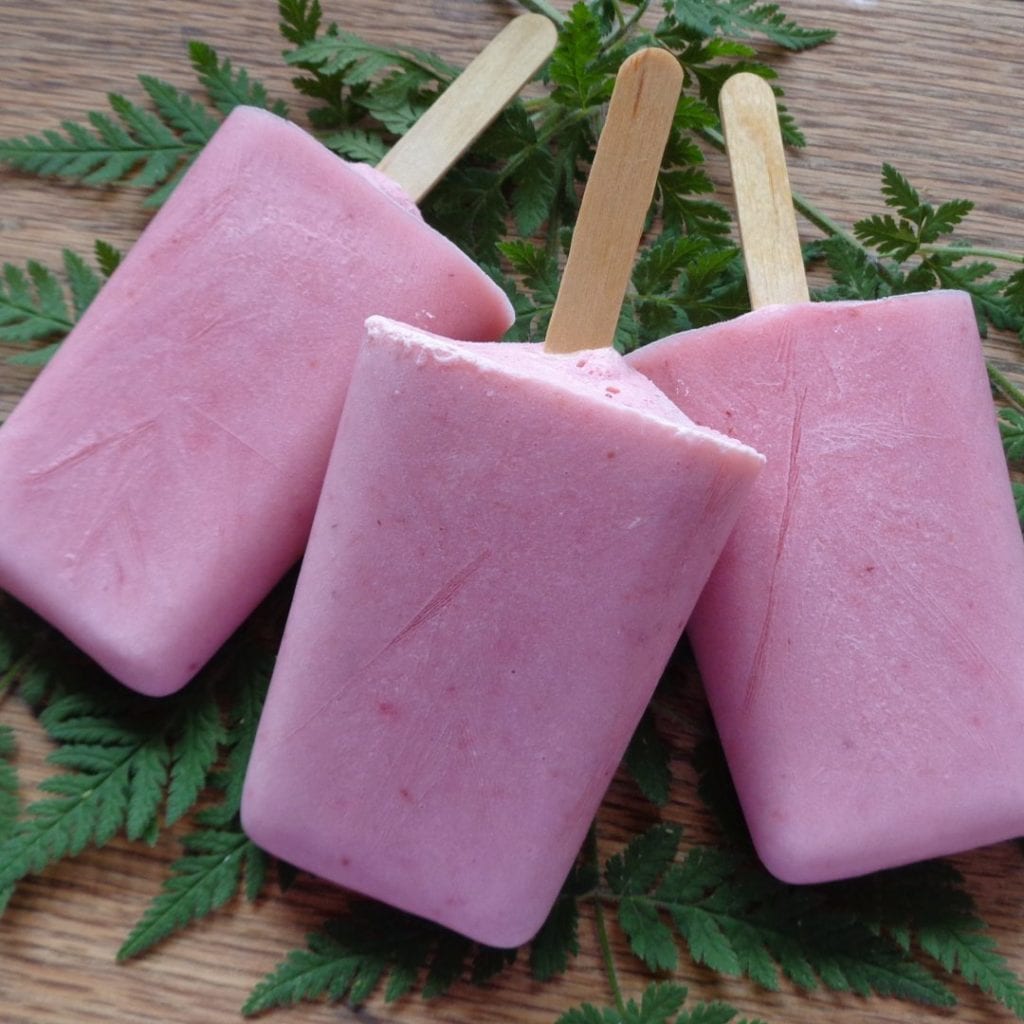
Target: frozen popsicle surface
[(506, 550), (862, 637), (162, 472)]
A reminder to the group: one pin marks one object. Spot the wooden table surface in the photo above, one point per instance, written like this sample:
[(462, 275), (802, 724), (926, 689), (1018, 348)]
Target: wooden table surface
[(933, 86)]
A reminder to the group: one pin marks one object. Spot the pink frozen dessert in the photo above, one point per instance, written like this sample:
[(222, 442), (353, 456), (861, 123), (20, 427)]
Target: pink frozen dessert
[(162, 472), (507, 548), (861, 639)]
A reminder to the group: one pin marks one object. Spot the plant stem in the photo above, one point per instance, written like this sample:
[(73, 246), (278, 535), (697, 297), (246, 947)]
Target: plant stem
[(969, 250), (1013, 394), (602, 932), (545, 8), (626, 24)]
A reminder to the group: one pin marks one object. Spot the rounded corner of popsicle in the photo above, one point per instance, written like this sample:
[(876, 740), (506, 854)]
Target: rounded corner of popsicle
[(138, 673), (508, 934), (159, 689), (249, 816), (794, 857), (256, 816)]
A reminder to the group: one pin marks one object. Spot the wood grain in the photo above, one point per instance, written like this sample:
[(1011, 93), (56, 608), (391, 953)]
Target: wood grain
[(934, 88)]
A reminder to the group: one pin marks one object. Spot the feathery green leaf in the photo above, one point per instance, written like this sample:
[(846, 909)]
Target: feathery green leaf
[(131, 148), (229, 87), (196, 744), (557, 943), (1018, 500), (203, 880), (647, 759), (742, 18), (1011, 428), (579, 69), (10, 801), (373, 945), (361, 61), (659, 1004)]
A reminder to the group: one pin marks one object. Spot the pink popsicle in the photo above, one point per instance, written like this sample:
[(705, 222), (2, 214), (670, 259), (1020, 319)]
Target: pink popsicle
[(162, 473), (506, 550), (861, 639)]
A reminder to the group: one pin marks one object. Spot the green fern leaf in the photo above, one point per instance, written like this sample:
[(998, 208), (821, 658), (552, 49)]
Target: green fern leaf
[(742, 18), (1013, 289), (32, 305), (400, 100), (257, 864), (557, 942), (469, 204), (659, 1004), (82, 281), (637, 868), (360, 62), (586, 1013), (150, 772), (1011, 427), (218, 855), (348, 959), (649, 938), (708, 1013), (991, 304), (900, 194), (1018, 500), (965, 948), (736, 919), (114, 756), (88, 806), (104, 152), (356, 144), (943, 220), (206, 878), (535, 190), (10, 802), (890, 237), (246, 690), (374, 945), (325, 968), (854, 274), (161, 145), (226, 86), (196, 746), (579, 76), (300, 20), (191, 120)]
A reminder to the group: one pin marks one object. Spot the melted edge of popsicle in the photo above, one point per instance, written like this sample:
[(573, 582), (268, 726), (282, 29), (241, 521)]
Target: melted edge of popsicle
[(632, 392)]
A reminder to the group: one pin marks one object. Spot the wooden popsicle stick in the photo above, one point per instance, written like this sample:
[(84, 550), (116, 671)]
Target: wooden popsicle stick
[(460, 114), (764, 203), (615, 202)]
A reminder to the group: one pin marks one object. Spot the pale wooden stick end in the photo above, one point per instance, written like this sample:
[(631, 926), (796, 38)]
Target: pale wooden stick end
[(764, 203), (615, 202), (461, 113)]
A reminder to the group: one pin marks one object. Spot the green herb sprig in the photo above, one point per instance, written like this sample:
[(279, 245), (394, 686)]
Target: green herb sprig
[(661, 1003), (120, 768), (34, 306), (913, 249), (147, 149)]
